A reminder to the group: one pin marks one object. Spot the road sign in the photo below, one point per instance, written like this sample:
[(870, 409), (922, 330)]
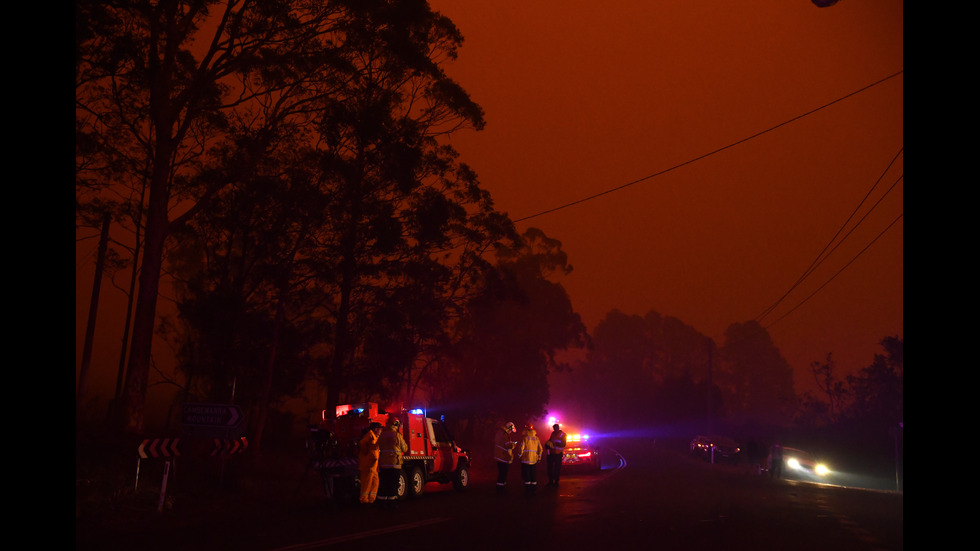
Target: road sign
[(211, 415), (159, 447), (227, 447)]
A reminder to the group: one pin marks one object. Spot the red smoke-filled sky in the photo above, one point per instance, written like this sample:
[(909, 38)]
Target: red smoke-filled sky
[(743, 145)]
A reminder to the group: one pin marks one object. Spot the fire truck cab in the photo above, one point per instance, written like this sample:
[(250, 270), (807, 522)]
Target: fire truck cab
[(432, 456)]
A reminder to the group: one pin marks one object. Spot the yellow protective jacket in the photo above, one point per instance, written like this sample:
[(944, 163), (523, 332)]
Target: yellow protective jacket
[(529, 449), (368, 452), (503, 446), (392, 446), (556, 444)]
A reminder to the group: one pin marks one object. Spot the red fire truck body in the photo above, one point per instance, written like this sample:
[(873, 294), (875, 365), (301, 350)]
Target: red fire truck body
[(432, 456)]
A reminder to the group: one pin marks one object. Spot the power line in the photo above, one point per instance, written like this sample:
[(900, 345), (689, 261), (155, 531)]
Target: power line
[(763, 330), (862, 251), (719, 150), (759, 319), (825, 253)]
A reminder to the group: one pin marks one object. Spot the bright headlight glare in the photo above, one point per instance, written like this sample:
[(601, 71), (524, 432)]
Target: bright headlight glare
[(821, 469), (793, 463)]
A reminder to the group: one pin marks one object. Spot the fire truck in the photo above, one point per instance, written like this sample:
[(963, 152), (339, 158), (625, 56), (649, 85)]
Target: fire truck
[(432, 456)]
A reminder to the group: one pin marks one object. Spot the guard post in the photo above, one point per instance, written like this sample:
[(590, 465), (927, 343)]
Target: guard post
[(166, 448)]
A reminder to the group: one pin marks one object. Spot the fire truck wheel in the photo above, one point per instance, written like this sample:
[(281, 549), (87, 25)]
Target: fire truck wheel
[(416, 482), (461, 479), (402, 484)]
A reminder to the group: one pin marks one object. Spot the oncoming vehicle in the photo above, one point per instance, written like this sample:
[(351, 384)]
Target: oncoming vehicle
[(800, 464), (581, 454), (716, 449)]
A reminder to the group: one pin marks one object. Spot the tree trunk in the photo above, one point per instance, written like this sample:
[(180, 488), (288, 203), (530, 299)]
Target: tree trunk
[(163, 115), (270, 370), (144, 320), (93, 311)]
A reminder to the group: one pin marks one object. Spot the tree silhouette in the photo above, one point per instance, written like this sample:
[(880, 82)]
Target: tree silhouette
[(178, 100), (404, 220), (873, 398), (647, 369), (878, 390), (756, 381), (508, 341), (832, 387), (234, 268), (161, 90)]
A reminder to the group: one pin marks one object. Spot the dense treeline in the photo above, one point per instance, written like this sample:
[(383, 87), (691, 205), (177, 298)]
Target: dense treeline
[(657, 373), (656, 368), (281, 167), (872, 396)]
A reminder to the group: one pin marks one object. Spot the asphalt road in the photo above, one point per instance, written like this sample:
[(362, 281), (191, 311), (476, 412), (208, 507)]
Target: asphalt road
[(647, 496)]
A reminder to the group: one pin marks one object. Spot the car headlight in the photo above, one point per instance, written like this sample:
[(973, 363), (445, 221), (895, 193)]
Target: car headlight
[(793, 463), (821, 469)]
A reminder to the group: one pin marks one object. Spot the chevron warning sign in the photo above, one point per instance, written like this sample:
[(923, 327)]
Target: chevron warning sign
[(226, 447), (330, 463), (159, 447)]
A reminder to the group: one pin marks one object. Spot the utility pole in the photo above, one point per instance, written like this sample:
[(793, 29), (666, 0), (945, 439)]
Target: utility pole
[(710, 385), (897, 432)]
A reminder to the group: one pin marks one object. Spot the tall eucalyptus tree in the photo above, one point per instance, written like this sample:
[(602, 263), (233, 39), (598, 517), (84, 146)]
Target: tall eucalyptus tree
[(178, 99)]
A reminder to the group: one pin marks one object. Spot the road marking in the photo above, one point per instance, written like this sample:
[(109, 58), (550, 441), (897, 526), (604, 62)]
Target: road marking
[(622, 461), (360, 535)]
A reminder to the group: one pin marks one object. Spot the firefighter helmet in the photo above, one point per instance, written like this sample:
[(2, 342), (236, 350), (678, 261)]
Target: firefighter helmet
[(528, 426), (509, 427), (396, 423)]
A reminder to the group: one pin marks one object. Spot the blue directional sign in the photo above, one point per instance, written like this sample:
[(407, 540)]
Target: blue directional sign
[(212, 415)]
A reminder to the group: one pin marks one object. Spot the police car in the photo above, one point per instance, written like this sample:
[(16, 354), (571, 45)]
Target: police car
[(580, 453)]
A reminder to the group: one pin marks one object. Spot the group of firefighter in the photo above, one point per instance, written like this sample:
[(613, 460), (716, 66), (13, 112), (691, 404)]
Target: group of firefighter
[(528, 450), (380, 453)]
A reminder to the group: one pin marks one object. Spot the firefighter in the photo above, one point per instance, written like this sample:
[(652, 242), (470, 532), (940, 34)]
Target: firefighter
[(503, 453), (556, 451), (392, 447), (529, 450), (367, 462), (776, 460)]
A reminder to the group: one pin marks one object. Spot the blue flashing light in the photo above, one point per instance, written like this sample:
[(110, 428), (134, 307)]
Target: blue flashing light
[(417, 411)]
